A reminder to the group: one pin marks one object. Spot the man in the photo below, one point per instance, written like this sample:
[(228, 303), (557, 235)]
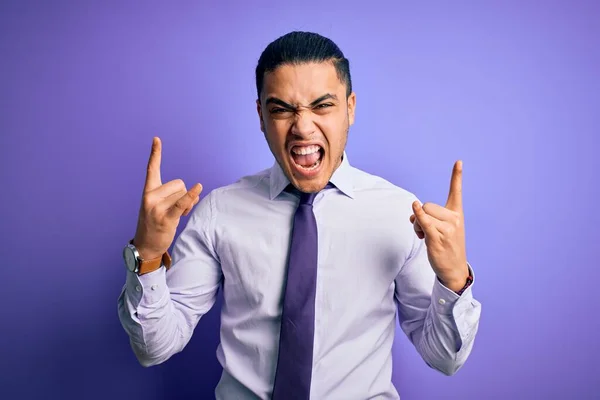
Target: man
[(315, 257)]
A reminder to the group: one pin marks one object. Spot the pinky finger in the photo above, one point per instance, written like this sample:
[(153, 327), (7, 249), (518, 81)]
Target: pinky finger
[(189, 209)]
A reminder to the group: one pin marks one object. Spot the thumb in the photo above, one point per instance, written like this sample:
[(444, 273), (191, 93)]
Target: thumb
[(423, 222), (417, 227)]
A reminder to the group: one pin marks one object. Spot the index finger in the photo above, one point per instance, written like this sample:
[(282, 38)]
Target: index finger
[(153, 173), (455, 196)]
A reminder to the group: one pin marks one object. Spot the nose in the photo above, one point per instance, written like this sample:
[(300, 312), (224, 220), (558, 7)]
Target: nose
[(303, 125)]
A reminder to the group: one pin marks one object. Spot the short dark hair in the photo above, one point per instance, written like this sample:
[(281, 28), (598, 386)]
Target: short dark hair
[(302, 47)]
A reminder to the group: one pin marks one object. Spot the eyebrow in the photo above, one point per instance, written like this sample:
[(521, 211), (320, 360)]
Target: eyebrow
[(275, 100)]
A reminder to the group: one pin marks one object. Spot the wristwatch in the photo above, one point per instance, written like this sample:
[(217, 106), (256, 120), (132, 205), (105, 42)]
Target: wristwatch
[(135, 264)]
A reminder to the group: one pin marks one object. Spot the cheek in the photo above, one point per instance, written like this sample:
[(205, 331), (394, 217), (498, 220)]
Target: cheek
[(276, 132), (335, 131)]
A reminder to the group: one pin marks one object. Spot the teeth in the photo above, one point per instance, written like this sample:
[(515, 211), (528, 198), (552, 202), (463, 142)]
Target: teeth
[(305, 150)]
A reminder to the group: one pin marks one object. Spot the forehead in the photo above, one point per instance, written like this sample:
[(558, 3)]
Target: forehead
[(302, 83)]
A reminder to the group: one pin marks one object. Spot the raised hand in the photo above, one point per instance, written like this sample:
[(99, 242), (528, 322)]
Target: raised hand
[(161, 209), (444, 233)]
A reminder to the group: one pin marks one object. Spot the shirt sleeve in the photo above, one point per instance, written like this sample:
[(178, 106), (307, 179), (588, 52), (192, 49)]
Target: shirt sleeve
[(440, 324), (160, 310)]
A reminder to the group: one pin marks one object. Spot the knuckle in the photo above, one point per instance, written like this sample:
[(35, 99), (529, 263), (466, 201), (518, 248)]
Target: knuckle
[(147, 203), (454, 219), (447, 230), (159, 213), (155, 214), (179, 184), (457, 222)]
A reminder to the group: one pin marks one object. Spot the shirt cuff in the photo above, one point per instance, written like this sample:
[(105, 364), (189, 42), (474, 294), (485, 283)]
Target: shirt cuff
[(147, 289), (445, 300)]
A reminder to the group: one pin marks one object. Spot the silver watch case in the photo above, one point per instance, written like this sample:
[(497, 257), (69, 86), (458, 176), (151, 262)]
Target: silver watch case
[(132, 258)]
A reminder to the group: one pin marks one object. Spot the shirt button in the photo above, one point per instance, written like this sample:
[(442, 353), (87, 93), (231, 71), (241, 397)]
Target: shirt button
[(442, 301), (138, 288), (154, 287)]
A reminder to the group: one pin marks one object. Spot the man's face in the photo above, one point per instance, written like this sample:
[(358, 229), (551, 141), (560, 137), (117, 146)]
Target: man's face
[(305, 116)]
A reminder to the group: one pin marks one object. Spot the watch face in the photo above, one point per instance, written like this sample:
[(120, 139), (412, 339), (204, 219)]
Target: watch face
[(130, 260)]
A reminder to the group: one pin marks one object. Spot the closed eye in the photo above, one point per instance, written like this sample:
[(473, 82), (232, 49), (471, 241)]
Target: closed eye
[(279, 110)]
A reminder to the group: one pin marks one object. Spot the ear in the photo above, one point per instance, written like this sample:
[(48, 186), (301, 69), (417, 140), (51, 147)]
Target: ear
[(351, 107), (260, 116)]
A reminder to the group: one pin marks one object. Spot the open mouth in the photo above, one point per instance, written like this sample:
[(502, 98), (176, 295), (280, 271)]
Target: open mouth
[(307, 158)]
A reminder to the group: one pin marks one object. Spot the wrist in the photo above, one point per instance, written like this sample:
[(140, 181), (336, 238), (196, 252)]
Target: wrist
[(458, 284), (142, 261), (145, 253)]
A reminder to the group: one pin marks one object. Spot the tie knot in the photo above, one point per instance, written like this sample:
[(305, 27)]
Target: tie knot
[(307, 198)]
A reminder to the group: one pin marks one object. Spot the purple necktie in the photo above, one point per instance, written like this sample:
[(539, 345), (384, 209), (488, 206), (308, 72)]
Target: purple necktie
[(294, 364)]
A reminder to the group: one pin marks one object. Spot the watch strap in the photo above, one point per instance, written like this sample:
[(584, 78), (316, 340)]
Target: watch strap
[(147, 266), (467, 284)]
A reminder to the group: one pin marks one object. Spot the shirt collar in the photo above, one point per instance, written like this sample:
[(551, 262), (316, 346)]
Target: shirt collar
[(341, 178)]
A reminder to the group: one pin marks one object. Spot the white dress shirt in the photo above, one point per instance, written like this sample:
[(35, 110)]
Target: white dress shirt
[(371, 265)]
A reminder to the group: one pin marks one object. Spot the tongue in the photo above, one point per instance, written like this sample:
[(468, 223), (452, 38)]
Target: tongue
[(306, 160)]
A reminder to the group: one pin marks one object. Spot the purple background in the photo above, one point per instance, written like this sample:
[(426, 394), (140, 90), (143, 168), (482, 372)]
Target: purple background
[(510, 87)]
